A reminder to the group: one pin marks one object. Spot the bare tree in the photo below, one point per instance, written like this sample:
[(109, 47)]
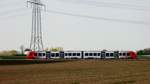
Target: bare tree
[(22, 49)]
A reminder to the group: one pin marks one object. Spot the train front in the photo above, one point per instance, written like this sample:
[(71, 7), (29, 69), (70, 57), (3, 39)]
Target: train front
[(132, 55)]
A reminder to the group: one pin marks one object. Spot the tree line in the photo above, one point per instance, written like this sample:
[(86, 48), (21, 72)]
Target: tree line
[(8, 53), (145, 51)]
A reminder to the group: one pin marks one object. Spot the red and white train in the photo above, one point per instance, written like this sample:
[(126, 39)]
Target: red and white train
[(82, 55)]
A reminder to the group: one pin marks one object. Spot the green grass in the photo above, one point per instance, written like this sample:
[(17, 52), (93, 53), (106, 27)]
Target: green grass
[(12, 57)]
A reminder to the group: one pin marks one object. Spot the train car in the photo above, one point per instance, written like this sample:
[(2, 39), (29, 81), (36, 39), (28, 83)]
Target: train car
[(82, 55), (73, 54), (36, 55), (31, 55), (41, 55), (55, 55), (91, 54), (110, 55), (124, 54)]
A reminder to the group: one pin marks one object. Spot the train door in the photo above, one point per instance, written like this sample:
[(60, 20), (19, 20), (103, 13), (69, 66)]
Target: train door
[(82, 54), (116, 54), (48, 55), (103, 54), (62, 54)]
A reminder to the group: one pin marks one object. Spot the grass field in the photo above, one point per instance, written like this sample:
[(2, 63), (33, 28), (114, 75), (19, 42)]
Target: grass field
[(78, 72), (12, 57)]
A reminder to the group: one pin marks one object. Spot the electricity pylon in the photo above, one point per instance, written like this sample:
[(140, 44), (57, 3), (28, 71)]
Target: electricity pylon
[(36, 43)]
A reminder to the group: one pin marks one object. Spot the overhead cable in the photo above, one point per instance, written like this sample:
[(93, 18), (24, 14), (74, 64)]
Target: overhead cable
[(112, 5), (99, 18)]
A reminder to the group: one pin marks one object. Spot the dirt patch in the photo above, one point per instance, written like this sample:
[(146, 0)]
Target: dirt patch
[(78, 72)]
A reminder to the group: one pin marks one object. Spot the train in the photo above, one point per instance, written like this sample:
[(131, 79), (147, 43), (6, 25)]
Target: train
[(81, 55)]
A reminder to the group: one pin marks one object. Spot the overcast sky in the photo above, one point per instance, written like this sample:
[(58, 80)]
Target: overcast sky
[(121, 24)]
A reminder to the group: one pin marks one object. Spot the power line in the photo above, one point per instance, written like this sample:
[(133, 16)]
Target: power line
[(5, 13), (3, 1), (8, 3), (99, 18), (112, 5), (13, 16), (4, 6)]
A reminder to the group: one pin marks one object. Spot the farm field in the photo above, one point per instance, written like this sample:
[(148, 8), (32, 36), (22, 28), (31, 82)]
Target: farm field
[(12, 57), (78, 72)]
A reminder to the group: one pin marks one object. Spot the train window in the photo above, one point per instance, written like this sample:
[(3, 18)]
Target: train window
[(78, 54), (95, 54), (86, 54), (52, 54), (111, 54), (124, 54), (66, 54), (107, 54), (99, 54), (91, 54), (69, 54), (128, 54), (120, 54), (39, 54), (44, 54), (57, 54), (74, 54)]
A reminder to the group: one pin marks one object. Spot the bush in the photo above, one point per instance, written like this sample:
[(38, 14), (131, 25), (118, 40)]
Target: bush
[(8, 53), (20, 55), (144, 52)]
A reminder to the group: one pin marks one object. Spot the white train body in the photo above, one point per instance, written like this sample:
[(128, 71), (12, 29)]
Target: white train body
[(123, 54), (72, 54), (55, 55), (92, 54), (109, 55), (82, 55), (41, 55)]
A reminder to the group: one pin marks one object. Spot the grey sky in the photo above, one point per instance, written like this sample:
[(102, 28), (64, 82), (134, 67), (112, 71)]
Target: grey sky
[(78, 33)]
